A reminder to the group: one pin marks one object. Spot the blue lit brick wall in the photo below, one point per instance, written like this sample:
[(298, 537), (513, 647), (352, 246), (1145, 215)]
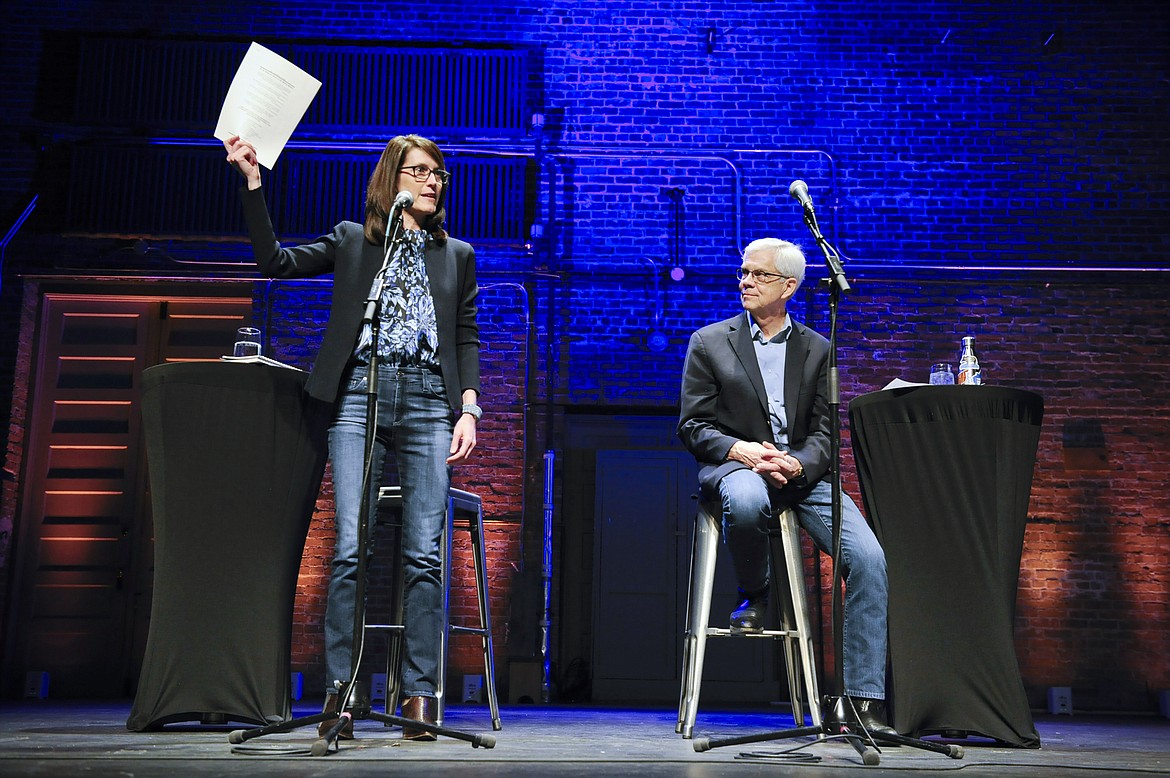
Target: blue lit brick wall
[(945, 144)]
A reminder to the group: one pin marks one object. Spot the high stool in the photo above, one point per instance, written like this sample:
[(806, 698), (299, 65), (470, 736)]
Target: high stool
[(788, 595), (468, 507)]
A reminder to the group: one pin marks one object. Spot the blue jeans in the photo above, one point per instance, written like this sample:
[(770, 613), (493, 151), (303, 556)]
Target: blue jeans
[(747, 510), (415, 419)]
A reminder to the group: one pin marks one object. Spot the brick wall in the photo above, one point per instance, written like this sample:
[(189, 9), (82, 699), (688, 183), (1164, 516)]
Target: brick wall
[(971, 163)]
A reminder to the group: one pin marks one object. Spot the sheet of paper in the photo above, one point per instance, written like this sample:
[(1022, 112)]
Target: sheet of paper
[(898, 383), (258, 359), (265, 102)]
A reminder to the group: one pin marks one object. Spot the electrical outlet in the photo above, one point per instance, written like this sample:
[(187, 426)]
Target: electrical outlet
[(1060, 700), (472, 688), (36, 685), (378, 687)]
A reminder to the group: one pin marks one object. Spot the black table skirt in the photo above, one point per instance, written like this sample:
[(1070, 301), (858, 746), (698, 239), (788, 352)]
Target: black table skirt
[(235, 454), (946, 473)]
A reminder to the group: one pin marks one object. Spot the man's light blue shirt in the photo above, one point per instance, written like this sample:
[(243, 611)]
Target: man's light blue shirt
[(771, 355)]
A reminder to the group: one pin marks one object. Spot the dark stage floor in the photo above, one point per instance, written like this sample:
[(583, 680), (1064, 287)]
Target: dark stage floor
[(49, 738)]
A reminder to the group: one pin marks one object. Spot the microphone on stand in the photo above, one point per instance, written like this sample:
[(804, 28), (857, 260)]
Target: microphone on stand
[(799, 190), (402, 201)]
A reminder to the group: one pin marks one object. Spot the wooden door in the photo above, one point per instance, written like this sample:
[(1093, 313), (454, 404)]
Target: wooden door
[(85, 539)]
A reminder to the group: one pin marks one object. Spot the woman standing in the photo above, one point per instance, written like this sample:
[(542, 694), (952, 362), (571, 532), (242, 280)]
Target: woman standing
[(428, 384)]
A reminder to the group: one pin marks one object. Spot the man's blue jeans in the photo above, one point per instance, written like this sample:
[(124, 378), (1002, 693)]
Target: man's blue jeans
[(747, 510), (416, 422)]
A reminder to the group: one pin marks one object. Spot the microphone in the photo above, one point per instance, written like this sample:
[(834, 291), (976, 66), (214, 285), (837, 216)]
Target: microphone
[(404, 199), (799, 190)]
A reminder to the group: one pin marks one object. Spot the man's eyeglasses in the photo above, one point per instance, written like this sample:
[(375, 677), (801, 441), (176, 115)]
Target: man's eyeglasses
[(421, 173), (759, 276)]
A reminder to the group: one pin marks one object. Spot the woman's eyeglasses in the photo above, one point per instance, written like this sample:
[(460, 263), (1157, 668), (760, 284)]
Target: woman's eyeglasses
[(421, 173)]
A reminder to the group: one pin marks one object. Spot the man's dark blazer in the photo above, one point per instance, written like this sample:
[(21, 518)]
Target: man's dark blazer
[(724, 401), (354, 262)]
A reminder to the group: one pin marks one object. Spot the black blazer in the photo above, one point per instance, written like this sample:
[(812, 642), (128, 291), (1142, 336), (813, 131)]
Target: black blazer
[(354, 262), (724, 401)]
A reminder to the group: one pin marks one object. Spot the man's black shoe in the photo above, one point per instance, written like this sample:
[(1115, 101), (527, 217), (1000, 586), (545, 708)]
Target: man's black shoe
[(871, 714), (749, 616)]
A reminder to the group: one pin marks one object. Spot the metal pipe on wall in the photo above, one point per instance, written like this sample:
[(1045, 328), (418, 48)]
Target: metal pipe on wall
[(546, 568)]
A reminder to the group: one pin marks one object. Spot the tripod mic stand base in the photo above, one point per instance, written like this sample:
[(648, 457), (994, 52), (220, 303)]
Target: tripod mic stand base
[(321, 745), (840, 716), (836, 722)]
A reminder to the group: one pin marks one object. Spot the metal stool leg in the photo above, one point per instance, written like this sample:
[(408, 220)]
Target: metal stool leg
[(799, 643), (394, 630), (390, 498), (704, 546), (479, 558), (686, 689), (445, 632), (781, 584), (472, 506)]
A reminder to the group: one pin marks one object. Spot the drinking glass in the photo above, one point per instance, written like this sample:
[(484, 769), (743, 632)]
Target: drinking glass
[(247, 342), (941, 373)]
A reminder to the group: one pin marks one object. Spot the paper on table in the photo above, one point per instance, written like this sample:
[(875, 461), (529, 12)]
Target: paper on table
[(266, 100), (898, 383), (258, 359)]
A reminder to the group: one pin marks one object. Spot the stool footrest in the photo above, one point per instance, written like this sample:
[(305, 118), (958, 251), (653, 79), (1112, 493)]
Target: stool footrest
[(764, 633), (469, 630)]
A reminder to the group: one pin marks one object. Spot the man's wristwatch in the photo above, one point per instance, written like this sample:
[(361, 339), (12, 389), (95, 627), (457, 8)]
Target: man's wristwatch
[(473, 409)]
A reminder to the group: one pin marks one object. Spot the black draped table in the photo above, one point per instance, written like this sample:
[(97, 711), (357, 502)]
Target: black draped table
[(235, 454), (945, 474)]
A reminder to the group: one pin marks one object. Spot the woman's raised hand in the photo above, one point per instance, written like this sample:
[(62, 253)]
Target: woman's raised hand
[(242, 156)]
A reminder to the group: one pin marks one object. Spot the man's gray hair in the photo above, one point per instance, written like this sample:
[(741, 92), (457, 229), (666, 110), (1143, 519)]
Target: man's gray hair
[(787, 257)]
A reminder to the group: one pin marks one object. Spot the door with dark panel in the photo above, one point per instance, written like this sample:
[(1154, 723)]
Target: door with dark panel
[(645, 514)]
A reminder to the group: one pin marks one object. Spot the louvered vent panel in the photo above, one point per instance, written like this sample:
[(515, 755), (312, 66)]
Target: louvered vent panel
[(487, 198), (152, 191), (314, 191), (153, 83), (156, 191), (173, 85)]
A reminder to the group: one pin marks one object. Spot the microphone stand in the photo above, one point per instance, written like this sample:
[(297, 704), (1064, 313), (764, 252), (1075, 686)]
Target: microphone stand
[(354, 705), (838, 716)]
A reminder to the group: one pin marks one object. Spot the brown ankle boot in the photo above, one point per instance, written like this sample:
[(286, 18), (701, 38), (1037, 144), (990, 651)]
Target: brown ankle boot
[(327, 724), (424, 709)]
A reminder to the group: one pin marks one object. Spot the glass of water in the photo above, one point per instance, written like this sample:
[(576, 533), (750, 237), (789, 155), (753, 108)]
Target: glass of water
[(941, 373), (247, 342)]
